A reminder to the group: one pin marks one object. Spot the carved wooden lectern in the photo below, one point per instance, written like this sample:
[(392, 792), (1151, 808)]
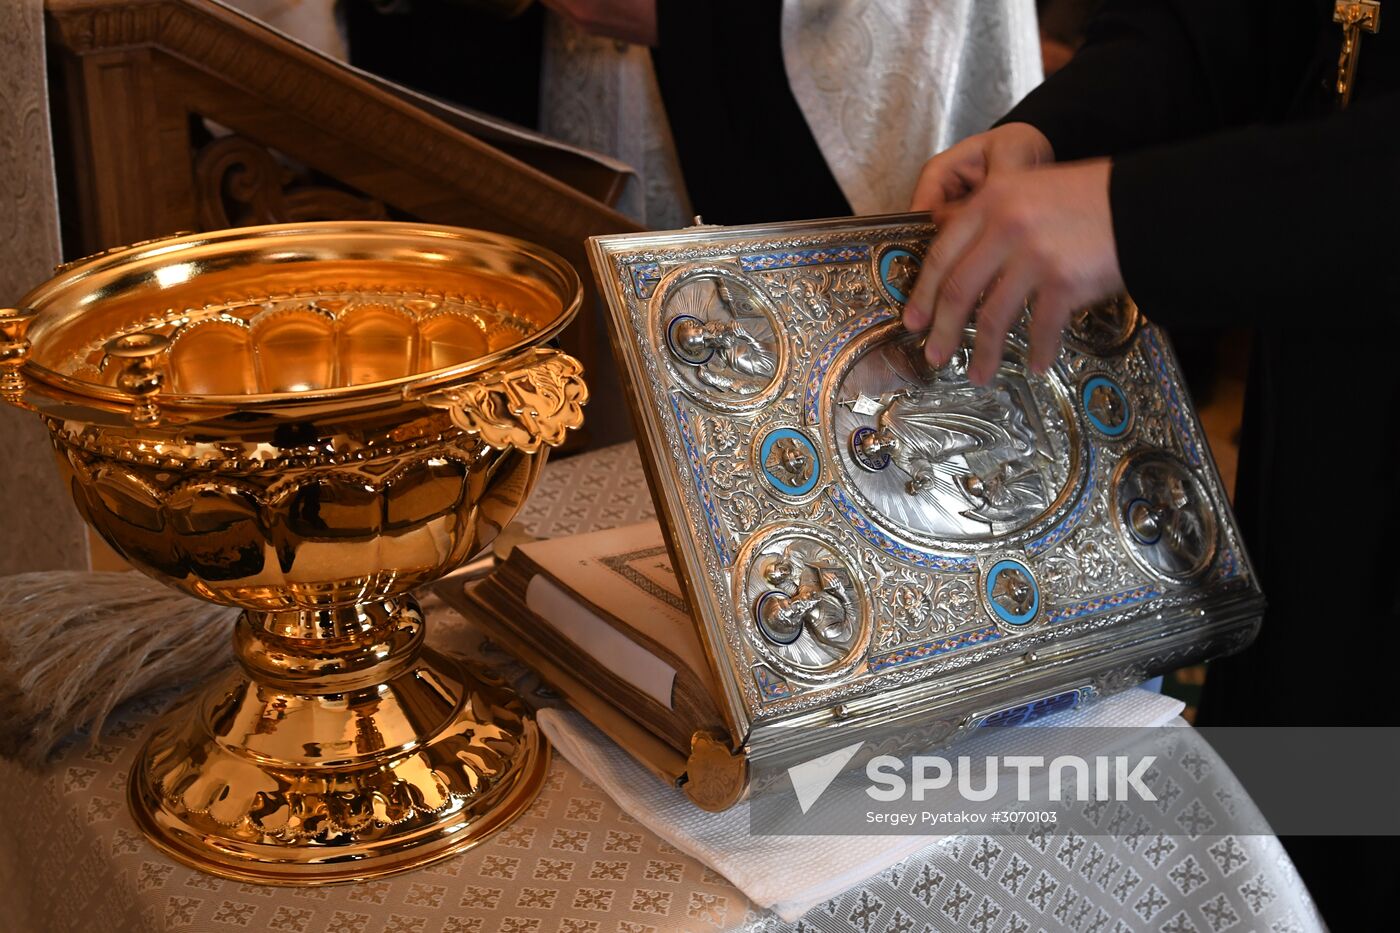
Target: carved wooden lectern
[(185, 115)]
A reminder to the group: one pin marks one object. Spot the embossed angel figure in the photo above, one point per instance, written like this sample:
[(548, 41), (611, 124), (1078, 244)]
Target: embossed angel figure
[(810, 602), (720, 340), (953, 437), (1003, 493)]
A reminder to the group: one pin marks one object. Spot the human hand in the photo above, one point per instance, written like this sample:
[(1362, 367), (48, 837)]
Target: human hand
[(959, 171), (1043, 237), (629, 20)]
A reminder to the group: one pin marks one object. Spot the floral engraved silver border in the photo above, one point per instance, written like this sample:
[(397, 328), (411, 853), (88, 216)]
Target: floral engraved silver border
[(895, 267)]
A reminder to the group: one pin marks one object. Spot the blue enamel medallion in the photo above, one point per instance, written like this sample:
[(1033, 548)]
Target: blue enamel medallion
[(874, 464), (789, 461), (898, 267), (1106, 406), (1012, 593)]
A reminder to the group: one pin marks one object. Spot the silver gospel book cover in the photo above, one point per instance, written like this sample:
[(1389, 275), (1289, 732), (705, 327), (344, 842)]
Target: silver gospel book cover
[(869, 542)]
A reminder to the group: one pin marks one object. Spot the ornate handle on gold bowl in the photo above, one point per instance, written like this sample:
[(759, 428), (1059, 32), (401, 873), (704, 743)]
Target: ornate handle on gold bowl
[(140, 377), (533, 403), (14, 350)]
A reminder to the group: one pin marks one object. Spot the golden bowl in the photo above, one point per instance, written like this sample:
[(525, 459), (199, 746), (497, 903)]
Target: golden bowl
[(307, 422)]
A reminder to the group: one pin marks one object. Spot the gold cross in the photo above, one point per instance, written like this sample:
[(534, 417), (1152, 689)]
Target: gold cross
[(1354, 16)]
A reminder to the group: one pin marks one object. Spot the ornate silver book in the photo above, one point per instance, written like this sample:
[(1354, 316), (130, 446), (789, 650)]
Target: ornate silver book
[(867, 541)]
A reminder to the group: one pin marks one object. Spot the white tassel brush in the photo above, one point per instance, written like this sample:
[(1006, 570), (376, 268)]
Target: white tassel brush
[(74, 646)]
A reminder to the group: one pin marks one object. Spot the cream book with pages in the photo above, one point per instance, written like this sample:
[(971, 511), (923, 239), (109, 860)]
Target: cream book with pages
[(603, 617)]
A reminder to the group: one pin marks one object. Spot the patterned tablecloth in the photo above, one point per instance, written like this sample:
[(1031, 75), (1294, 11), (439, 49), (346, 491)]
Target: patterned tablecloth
[(71, 859)]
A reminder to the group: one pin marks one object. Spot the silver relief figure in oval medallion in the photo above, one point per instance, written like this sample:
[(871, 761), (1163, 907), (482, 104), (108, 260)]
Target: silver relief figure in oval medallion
[(1165, 515), (968, 460), (718, 329), (805, 603)]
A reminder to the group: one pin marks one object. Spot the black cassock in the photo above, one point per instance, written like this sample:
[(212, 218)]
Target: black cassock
[(1241, 195)]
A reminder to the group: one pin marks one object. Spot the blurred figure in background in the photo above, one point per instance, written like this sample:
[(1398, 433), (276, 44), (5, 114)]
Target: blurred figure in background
[(770, 109), (787, 110)]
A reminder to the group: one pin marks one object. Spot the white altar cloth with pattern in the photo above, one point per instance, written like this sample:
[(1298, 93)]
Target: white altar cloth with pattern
[(791, 875), (71, 858)]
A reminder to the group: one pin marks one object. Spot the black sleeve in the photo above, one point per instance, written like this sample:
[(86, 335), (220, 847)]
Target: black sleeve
[(1221, 213), (1151, 71), (1260, 223)]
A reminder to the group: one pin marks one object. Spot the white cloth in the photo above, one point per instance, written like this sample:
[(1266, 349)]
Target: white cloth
[(602, 95), (885, 84), (772, 871)]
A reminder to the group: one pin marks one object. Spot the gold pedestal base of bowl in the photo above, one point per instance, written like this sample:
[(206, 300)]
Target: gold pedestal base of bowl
[(414, 758)]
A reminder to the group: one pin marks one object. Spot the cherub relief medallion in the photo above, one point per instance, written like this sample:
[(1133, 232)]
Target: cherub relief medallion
[(789, 462), (1010, 592), (1106, 406)]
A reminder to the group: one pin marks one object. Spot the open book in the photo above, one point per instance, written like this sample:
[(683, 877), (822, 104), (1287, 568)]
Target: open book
[(603, 613)]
